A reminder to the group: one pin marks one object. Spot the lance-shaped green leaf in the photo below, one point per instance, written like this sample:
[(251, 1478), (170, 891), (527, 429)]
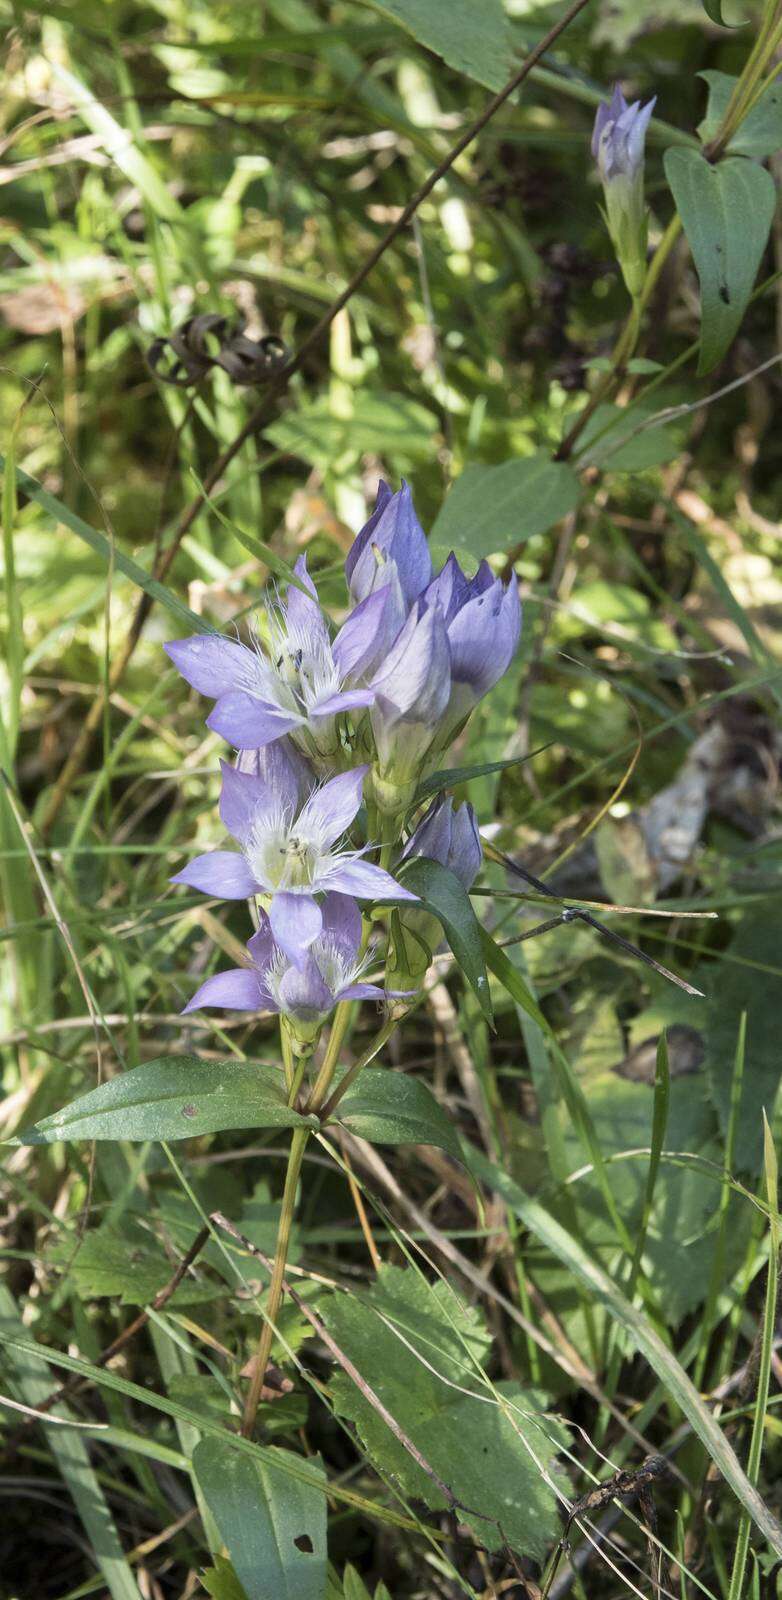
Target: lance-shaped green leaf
[(387, 1107), (274, 1528), (449, 777), (726, 212), (110, 553), (172, 1098), (441, 893), (715, 10)]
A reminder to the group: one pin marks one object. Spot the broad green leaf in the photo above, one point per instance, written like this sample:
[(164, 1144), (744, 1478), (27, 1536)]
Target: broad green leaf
[(175, 1097), (385, 1106), (491, 1448), (442, 893), (744, 984), (760, 133), (32, 1384), (491, 509), (726, 212), (98, 542), (127, 1264), (617, 438), (474, 39), (274, 1529), (644, 1336), (399, 430)]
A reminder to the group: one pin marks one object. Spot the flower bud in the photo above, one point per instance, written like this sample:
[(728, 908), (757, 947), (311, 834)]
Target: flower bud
[(450, 837), (411, 691), (618, 148), (391, 542)]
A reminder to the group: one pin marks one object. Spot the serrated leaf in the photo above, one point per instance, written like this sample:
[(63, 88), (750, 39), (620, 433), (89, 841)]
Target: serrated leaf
[(221, 1582), (171, 1098), (726, 212), (759, 134), (127, 1264), (274, 1528), (441, 893), (491, 509), (473, 39), (385, 1106), (491, 1459)]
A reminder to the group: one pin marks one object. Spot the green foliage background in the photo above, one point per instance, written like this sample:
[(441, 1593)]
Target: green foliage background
[(162, 161)]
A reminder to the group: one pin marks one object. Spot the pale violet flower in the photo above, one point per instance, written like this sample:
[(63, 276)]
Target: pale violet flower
[(390, 553), (307, 994), (298, 685), (448, 834), (458, 640), (290, 853)]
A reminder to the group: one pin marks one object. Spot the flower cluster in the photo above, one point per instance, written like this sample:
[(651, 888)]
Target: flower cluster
[(334, 733)]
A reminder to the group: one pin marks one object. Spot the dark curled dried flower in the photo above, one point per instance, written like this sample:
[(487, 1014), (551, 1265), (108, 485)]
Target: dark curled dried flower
[(211, 340)]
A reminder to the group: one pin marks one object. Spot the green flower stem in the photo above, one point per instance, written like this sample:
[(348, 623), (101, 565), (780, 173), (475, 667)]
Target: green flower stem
[(298, 1078), (744, 93), (287, 1056), (339, 1028), (369, 1054), (298, 1146)]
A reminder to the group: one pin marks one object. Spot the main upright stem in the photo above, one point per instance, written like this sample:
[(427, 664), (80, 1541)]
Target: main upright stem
[(295, 1157)]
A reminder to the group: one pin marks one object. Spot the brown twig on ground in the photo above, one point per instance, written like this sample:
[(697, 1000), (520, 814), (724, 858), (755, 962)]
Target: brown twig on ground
[(279, 382)]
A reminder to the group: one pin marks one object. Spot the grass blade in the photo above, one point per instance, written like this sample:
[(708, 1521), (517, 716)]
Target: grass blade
[(644, 1336), (766, 1349), (70, 1452)]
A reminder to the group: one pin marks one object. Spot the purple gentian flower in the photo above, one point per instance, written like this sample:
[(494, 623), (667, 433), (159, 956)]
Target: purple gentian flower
[(308, 993), (482, 617), (451, 837), (459, 639), (289, 853), (411, 692), (297, 686), (618, 140), (282, 768), (392, 544)]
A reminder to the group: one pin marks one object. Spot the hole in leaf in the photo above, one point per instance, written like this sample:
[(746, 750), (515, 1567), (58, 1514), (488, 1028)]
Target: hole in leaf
[(304, 1544)]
